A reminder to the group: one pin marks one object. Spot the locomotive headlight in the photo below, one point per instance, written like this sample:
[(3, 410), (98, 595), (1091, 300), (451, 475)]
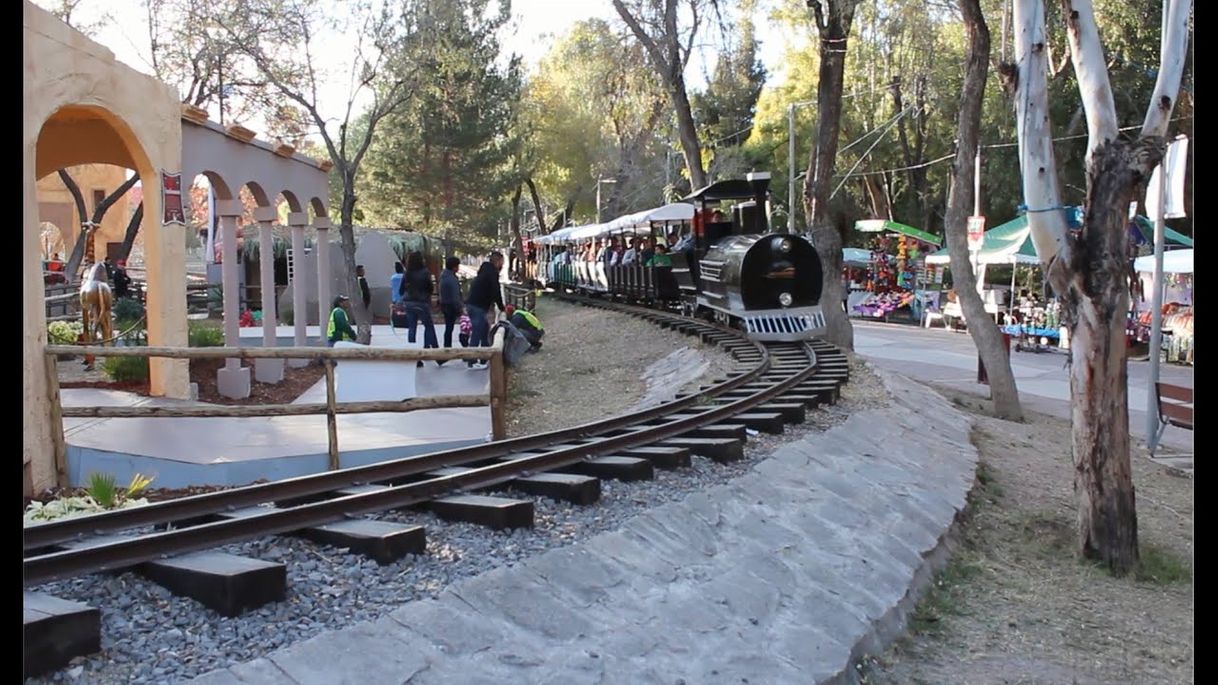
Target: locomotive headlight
[(785, 299), (782, 245)]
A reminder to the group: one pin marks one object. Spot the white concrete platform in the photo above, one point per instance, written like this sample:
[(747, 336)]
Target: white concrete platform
[(181, 452)]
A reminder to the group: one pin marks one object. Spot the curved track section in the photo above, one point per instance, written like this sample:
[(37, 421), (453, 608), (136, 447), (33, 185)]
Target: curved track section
[(770, 380)]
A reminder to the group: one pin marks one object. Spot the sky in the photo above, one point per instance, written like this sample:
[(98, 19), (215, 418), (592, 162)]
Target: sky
[(536, 23)]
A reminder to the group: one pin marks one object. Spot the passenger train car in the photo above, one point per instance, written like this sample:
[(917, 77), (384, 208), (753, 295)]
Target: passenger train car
[(726, 265)]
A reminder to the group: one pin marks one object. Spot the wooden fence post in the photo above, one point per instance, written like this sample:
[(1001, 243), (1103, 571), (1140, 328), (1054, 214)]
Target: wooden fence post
[(58, 445), (498, 393), (331, 417)]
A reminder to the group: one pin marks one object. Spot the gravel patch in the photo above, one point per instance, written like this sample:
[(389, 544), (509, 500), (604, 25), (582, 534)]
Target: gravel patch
[(151, 636), (594, 364)]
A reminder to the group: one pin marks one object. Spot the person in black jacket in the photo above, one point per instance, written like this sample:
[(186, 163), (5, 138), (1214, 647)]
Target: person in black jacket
[(365, 292), (483, 293), (416, 294), (450, 297)]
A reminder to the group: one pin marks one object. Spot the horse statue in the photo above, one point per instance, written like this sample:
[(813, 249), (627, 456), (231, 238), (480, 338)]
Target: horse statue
[(96, 300)]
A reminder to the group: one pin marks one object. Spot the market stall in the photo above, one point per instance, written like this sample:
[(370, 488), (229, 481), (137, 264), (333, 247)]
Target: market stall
[(1177, 304), (895, 272), (1033, 318)]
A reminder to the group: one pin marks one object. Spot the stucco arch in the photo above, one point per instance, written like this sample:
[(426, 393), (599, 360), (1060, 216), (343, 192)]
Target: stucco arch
[(81, 105), (260, 195), (318, 207), (293, 201)]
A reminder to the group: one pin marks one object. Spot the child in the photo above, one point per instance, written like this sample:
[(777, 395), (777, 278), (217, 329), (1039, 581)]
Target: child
[(466, 329)]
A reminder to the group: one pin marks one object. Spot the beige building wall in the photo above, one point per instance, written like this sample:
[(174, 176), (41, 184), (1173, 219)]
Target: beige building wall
[(56, 205), (81, 106)]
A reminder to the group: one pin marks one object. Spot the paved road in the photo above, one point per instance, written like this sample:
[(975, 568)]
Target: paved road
[(950, 358)]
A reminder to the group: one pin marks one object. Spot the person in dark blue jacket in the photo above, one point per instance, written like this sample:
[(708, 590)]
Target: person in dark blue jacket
[(417, 289), (450, 298), (483, 293)]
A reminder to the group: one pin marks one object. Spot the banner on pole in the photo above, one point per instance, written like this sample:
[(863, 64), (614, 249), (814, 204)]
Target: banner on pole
[(976, 232), (171, 199), (1176, 163)]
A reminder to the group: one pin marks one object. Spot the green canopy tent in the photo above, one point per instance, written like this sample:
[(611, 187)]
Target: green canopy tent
[(886, 226), (1011, 243)]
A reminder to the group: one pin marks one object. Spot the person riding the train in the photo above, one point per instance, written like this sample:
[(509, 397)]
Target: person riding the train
[(660, 258)]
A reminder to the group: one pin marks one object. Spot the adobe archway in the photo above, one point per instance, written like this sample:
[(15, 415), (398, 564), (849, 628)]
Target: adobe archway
[(82, 106)]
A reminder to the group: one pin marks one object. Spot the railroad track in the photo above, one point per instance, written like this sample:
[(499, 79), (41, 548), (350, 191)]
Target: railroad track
[(772, 385)]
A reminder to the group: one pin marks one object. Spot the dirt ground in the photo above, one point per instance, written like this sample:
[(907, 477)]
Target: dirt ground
[(566, 385), (1016, 606), (72, 374)]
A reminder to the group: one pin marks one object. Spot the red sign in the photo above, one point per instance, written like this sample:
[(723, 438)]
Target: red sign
[(976, 232), (171, 199)]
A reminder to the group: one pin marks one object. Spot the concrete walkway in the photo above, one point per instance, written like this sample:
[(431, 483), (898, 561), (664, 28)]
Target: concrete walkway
[(950, 358), (182, 452), (785, 575)]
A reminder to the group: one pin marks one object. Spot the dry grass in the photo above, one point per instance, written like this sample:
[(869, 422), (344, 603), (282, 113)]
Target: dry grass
[(590, 367), (1015, 605)]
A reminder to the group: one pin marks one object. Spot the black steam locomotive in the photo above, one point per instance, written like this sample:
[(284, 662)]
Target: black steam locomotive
[(715, 257)]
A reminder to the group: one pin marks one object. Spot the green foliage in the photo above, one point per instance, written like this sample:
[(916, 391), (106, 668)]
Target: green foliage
[(64, 507), (103, 489), (440, 163), (125, 369), (204, 334), (724, 111), (127, 311), (102, 494), (943, 599), (1162, 567), (595, 107), (64, 332)]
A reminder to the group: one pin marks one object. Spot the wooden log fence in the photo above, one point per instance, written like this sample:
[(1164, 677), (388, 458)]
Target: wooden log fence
[(519, 296), (496, 398)]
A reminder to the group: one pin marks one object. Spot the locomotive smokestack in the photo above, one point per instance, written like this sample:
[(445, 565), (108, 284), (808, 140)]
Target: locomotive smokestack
[(759, 181)]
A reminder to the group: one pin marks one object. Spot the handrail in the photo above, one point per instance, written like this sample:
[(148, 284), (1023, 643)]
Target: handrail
[(496, 397)]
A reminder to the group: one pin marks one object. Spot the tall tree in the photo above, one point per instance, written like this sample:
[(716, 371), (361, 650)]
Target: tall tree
[(987, 338), (654, 24), (280, 37), (725, 110), (1090, 270), (833, 20), (440, 163), (595, 108), (188, 52)]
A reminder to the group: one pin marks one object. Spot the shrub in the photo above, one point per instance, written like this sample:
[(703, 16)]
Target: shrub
[(202, 334), (64, 332), (102, 493), (124, 369), (127, 311)]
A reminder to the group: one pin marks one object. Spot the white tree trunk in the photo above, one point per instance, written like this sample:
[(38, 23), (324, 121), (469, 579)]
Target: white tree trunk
[(1091, 272), (1036, 160), (1172, 55), (1092, 74)]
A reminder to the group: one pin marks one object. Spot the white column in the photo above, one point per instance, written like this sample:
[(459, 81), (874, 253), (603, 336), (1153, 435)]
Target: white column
[(322, 224), (233, 380), (267, 370), (300, 314)]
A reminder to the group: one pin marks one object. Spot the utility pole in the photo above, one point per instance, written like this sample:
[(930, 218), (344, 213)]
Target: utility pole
[(974, 254), (791, 168)]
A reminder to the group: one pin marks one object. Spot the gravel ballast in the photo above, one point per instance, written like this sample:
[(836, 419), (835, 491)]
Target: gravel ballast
[(151, 636)]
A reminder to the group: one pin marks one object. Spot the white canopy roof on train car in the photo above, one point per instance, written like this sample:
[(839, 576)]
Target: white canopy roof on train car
[(676, 211)]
